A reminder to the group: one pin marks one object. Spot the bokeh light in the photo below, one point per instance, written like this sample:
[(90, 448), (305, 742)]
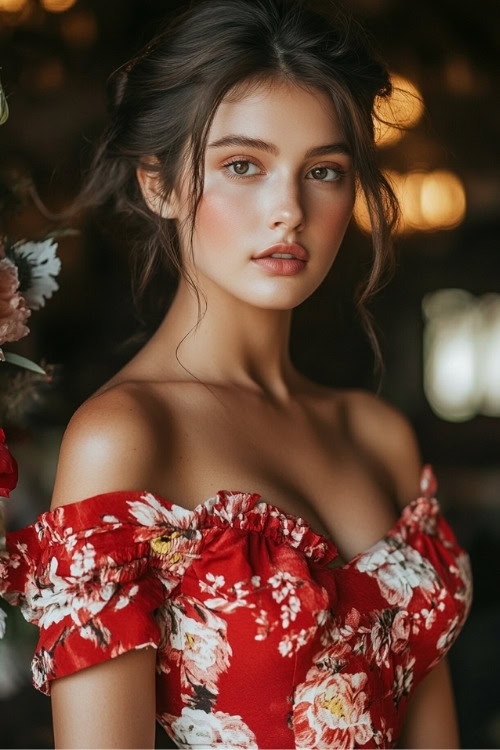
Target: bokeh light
[(12, 6), (442, 199), (429, 201), (57, 6), (462, 354), (489, 352), (450, 336), (403, 108)]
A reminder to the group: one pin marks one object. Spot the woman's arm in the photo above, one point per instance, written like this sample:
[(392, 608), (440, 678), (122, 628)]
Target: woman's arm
[(107, 446), (109, 705), (431, 719)]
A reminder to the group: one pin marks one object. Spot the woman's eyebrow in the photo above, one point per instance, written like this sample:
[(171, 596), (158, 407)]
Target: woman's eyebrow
[(257, 143)]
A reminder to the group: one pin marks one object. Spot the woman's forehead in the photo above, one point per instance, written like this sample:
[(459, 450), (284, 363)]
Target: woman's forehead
[(276, 105)]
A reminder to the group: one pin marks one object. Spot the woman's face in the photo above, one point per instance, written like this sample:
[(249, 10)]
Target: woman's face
[(297, 188)]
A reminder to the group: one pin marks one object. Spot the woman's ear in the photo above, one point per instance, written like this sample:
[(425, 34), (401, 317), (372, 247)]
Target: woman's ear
[(151, 189)]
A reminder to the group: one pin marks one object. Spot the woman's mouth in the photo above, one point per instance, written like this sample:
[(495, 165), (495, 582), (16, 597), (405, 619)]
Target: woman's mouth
[(281, 266)]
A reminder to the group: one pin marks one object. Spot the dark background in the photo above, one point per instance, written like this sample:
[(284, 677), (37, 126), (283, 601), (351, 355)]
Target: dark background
[(54, 68)]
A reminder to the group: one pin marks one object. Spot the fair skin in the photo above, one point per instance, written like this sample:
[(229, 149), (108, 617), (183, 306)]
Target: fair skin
[(344, 460)]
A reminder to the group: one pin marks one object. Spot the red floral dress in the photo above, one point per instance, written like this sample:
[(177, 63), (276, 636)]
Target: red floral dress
[(259, 643)]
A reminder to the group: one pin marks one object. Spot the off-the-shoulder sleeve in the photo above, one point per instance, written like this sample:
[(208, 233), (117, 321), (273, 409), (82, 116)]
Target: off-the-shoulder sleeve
[(82, 574), (423, 576)]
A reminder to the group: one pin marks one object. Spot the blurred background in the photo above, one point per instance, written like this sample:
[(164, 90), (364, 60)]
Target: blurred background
[(439, 318)]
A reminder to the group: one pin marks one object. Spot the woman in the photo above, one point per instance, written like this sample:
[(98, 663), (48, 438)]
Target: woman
[(303, 605)]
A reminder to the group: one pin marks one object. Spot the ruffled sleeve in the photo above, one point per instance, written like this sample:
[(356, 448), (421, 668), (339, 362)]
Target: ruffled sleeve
[(82, 574), (424, 578)]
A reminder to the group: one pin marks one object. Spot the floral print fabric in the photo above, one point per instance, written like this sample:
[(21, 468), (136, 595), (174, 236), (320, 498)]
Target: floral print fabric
[(259, 643)]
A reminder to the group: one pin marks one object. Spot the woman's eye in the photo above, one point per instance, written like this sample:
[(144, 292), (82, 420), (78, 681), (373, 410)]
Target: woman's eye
[(241, 168), (321, 172)]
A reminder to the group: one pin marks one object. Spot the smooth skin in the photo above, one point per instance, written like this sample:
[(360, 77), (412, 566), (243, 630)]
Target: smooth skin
[(344, 460)]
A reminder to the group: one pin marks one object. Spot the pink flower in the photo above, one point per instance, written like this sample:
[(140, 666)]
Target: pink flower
[(8, 468), (13, 309)]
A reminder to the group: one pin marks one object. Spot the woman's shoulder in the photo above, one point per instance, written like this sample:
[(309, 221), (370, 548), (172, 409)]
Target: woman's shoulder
[(112, 442), (384, 434)]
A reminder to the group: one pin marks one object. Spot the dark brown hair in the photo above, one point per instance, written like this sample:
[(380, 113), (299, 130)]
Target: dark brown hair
[(164, 101)]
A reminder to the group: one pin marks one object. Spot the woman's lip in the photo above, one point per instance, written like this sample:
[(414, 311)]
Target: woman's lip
[(281, 266), (289, 248)]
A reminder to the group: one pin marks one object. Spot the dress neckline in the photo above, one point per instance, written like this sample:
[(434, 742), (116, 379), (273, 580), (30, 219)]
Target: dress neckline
[(248, 510)]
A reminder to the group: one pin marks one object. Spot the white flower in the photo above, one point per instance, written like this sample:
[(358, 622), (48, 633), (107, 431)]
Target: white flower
[(38, 265)]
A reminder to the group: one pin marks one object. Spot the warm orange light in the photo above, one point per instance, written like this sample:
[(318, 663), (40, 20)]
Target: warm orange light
[(12, 6), (57, 6), (79, 28), (442, 200), (361, 215), (408, 189), (404, 108), (428, 201)]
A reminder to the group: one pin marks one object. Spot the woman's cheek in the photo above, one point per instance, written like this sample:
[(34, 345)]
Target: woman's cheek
[(222, 215), (335, 218)]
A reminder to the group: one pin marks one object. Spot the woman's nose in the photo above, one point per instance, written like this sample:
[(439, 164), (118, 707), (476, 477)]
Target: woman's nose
[(287, 209)]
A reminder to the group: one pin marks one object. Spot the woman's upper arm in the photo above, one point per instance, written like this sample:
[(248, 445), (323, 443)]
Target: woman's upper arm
[(107, 446), (431, 719), (108, 705)]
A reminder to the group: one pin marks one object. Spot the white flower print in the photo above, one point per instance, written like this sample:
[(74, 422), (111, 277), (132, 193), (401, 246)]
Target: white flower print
[(124, 600), (148, 511), (403, 679), (332, 711), (223, 603), (322, 616), (195, 728), (216, 583), (231, 505), (383, 736), (447, 638), (71, 542), (283, 582), (264, 627), (298, 532), (83, 560), (63, 598), (428, 616), (284, 585), (390, 633), (398, 570), (463, 571), (340, 640), (42, 665), (96, 632), (289, 611), (199, 646), (290, 644)]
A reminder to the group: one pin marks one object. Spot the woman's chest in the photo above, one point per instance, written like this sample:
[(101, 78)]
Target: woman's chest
[(300, 460)]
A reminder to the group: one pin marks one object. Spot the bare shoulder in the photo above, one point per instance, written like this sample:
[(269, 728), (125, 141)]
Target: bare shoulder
[(384, 432), (111, 443)]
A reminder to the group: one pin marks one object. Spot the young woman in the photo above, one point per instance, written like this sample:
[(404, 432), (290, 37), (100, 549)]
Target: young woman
[(252, 558)]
